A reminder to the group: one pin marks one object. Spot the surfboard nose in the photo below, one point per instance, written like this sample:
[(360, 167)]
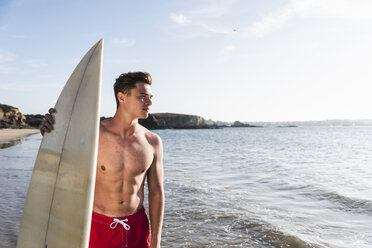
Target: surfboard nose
[(100, 42)]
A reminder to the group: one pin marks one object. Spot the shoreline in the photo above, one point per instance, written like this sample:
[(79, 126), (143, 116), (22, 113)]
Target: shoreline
[(8, 134)]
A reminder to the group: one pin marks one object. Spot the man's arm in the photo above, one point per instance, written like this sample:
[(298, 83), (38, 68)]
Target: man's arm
[(156, 193)]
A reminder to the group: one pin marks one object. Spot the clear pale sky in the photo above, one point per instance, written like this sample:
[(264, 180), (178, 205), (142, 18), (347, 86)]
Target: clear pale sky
[(263, 60)]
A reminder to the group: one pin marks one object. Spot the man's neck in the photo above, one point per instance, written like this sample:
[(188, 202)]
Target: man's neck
[(123, 124)]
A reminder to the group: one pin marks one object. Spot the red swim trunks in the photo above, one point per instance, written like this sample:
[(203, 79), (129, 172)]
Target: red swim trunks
[(130, 231)]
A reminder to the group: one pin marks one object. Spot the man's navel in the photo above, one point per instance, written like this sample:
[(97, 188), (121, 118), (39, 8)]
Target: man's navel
[(103, 168)]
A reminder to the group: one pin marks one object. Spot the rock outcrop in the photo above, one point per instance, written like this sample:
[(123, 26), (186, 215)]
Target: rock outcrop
[(11, 117), (175, 121), (240, 124)]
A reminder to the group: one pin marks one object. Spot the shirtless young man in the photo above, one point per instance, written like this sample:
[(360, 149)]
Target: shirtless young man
[(127, 153)]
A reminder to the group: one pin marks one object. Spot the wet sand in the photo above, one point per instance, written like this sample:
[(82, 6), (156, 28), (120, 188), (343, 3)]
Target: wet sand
[(7, 134)]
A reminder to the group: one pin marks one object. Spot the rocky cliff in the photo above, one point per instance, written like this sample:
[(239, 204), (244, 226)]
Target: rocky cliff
[(175, 121), (11, 117)]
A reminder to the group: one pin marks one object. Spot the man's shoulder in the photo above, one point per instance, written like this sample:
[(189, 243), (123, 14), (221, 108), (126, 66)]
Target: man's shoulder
[(152, 137), (103, 123), (103, 127)]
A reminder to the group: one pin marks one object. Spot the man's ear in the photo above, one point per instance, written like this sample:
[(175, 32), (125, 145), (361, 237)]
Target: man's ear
[(121, 96)]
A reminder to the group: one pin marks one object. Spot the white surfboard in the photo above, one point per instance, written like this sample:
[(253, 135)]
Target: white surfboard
[(58, 207)]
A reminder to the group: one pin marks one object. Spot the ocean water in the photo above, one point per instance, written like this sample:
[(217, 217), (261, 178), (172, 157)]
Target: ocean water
[(242, 187)]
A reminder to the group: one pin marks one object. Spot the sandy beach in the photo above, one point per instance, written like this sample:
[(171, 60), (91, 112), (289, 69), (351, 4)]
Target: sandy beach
[(9, 134)]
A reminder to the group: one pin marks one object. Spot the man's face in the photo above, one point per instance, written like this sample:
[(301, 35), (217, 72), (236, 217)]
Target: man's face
[(139, 100)]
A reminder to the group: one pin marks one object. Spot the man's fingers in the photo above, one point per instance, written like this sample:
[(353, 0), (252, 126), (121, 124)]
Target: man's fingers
[(48, 127), (52, 110), (49, 118), (47, 124)]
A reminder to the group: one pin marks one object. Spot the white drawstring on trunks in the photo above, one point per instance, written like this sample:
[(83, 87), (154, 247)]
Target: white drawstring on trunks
[(122, 222)]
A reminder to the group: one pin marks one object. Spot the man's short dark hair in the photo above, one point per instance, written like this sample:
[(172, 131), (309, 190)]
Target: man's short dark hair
[(127, 81)]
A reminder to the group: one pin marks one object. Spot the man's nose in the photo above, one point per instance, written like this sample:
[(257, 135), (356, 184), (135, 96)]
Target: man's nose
[(149, 102)]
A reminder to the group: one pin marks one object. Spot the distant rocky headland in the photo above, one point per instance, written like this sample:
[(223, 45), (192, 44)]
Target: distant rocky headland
[(175, 121), (11, 117)]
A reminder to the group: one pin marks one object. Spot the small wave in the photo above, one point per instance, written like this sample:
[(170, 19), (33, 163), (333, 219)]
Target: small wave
[(345, 203), (216, 228), (348, 203), (218, 224), (268, 235)]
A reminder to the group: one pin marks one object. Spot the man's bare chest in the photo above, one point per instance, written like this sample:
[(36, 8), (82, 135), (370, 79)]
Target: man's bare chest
[(133, 157)]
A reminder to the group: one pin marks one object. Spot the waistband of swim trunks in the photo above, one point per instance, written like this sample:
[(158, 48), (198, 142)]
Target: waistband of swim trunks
[(107, 219)]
